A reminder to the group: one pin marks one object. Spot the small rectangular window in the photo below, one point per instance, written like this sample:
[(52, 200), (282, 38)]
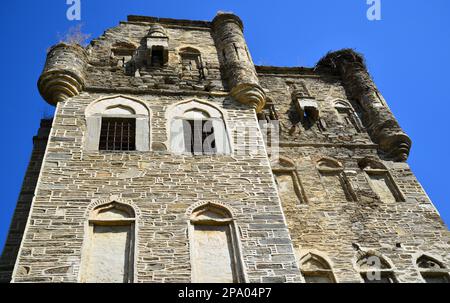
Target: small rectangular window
[(199, 137), (118, 134)]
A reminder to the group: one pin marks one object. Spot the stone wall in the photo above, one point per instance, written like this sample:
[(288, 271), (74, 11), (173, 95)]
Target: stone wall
[(328, 223), (19, 220), (163, 187)]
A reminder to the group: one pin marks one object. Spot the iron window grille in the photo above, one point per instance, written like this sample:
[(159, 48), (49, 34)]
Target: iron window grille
[(118, 134)]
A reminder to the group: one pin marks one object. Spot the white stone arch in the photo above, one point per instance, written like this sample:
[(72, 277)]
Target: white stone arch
[(215, 204), (118, 106), (325, 268), (176, 114), (114, 198)]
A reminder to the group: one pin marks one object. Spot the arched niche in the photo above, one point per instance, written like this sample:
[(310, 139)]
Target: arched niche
[(109, 251), (381, 180), (214, 243), (333, 176), (288, 179), (315, 269)]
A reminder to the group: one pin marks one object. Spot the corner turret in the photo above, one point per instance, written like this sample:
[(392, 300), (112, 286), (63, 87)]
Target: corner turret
[(381, 123), (64, 73), (238, 66)]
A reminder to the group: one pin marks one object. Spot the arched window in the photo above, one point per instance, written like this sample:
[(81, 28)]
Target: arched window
[(109, 252), (198, 128), (347, 115), (380, 180), (117, 124), (315, 269), (122, 54), (432, 271), (191, 65), (215, 254), (375, 269)]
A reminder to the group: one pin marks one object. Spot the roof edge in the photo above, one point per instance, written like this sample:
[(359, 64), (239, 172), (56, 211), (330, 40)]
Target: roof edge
[(149, 19)]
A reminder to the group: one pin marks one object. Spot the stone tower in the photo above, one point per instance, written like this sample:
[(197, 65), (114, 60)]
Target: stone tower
[(156, 168)]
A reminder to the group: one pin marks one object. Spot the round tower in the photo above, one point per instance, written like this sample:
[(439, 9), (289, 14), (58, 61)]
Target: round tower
[(237, 63), (64, 73), (381, 123)]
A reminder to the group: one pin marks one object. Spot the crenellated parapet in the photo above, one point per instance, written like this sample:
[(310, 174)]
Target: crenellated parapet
[(64, 73), (237, 63), (380, 122)]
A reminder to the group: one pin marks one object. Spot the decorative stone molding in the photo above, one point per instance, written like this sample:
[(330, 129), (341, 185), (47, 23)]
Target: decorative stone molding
[(114, 198), (64, 73), (217, 204)]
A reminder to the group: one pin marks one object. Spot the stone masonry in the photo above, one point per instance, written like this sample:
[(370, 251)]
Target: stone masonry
[(340, 192)]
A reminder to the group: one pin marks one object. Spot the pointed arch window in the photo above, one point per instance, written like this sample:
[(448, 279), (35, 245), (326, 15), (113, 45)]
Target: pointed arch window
[(117, 124), (198, 128), (375, 269), (432, 271), (109, 252), (215, 254), (347, 115), (192, 65), (315, 269)]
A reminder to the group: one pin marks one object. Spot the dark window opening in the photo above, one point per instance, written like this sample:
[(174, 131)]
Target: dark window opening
[(436, 277), (157, 59), (199, 137), (192, 68), (118, 134)]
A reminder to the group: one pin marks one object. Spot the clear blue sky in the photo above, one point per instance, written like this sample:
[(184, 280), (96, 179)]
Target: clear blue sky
[(408, 53)]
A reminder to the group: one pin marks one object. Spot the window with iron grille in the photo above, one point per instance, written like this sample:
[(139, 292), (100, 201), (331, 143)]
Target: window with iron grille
[(199, 137), (118, 134)]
